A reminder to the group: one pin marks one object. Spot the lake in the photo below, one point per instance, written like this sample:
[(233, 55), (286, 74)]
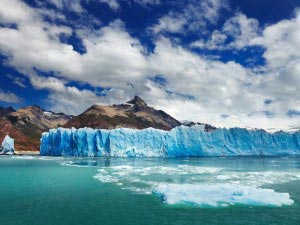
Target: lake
[(38, 190)]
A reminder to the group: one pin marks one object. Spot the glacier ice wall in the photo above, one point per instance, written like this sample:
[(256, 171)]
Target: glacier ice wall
[(8, 145), (179, 142)]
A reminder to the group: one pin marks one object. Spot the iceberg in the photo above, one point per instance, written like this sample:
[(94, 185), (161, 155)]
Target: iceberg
[(181, 141), (8, 146), (221, 195)]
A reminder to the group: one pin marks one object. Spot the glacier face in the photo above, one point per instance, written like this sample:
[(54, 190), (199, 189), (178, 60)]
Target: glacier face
[(181, 141), (8, 145)]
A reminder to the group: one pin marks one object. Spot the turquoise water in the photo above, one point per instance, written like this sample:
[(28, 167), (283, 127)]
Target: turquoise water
[(71, 191)]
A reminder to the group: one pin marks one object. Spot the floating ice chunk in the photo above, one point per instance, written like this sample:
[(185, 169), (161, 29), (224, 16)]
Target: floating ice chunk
[(105, 178), (258, 178), (8, 145), (220, 195), (204, 186)]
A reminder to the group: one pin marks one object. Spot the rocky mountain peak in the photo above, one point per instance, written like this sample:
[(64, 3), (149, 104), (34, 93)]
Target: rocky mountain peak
[(133, 114), (6, 111), (137, 101), (11, 109)]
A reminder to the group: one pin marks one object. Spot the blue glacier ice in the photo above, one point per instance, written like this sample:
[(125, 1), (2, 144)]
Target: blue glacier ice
[(8, 146), (181, 141)]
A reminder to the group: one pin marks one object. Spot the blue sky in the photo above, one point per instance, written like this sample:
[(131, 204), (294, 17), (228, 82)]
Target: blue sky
[(228, 63)]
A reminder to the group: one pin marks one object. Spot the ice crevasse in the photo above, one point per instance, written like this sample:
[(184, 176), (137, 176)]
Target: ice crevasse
[(181, 141)]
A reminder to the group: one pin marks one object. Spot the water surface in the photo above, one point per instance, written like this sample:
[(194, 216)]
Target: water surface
[(88, 191)]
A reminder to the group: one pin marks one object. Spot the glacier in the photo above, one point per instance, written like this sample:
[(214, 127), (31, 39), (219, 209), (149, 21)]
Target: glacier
[(8, 145), (181, 141)]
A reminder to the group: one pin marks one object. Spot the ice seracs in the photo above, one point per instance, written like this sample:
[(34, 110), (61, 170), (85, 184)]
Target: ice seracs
[(7, 146), (181, 141)]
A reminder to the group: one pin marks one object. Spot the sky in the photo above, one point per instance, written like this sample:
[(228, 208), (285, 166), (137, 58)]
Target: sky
[(223, 62)]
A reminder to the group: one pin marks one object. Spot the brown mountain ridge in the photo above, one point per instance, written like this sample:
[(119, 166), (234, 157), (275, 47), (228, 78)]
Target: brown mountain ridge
[(26, 124), (132, 114)]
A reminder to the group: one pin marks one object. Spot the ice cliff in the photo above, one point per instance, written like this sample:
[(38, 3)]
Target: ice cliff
[(7, 146), (179, 142)]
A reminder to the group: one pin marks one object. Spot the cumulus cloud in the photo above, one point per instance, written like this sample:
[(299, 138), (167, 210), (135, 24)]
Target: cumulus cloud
[(282, 45), (236, 33), (193, 17), (112, 54), (281, 41), (170, 23), (65, 98), (216, 41), (113, 57), (118, 62), (215, 86)]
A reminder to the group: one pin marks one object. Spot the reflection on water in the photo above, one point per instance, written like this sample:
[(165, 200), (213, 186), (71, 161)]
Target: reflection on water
[(107, 162), (90, 162), (236, 163)]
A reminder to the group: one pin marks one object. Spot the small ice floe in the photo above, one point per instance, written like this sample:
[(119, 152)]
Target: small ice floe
[(7, 146), (221, 195)]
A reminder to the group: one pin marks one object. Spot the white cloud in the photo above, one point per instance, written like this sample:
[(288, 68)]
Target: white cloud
[(115, 4), (62, 98), (13, 11), (70, 99), (216, 41), (242, 29), (194, 17), (112, 54), (9, 97), (281, 41), (282, 45), (236, 33), (170, 24), (113, 57), (73, 5), (217, 87), (197, 87), (54, 11)]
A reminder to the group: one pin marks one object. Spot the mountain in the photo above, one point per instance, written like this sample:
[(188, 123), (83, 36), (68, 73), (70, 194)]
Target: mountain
[(39, 117), (26, 125), (132, 114), (6, 111)]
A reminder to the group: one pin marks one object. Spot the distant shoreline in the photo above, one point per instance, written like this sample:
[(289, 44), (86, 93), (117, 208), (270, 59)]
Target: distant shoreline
[(27, 153), (22, 153)]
